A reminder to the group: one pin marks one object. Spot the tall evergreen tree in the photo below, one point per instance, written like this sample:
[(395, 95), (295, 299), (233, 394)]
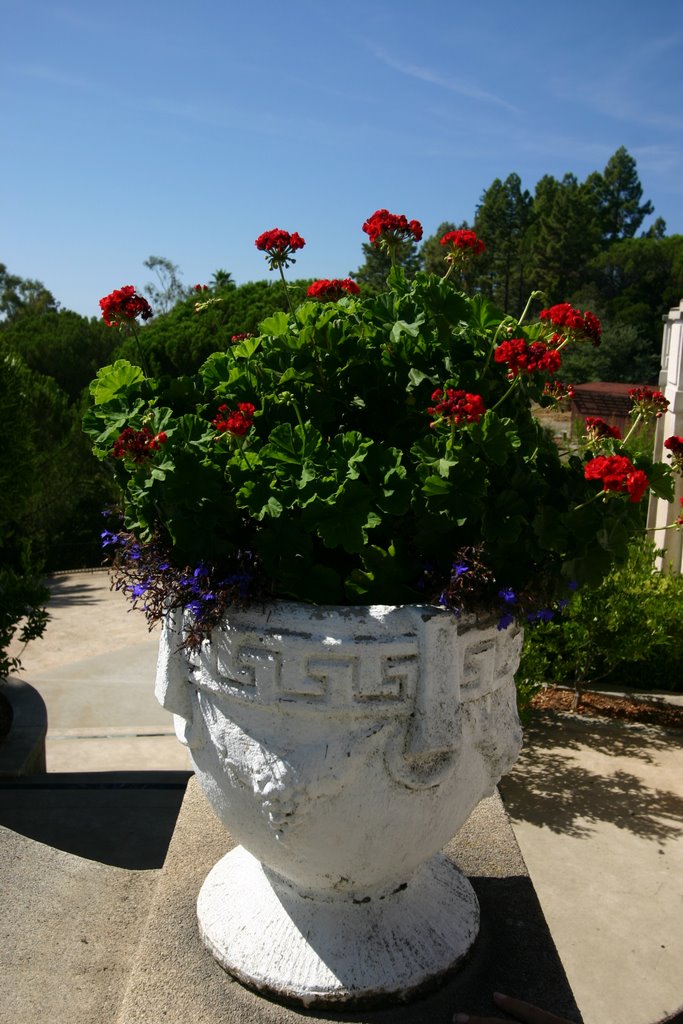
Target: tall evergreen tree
[(502, 221), (617, 195), (565, 236), (372, 274)]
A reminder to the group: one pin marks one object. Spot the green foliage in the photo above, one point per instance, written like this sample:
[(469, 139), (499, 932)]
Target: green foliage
[(23, 615), (62, 345), (22, 296), (179, 341), (626, 632), (22, 598), (624, 355)]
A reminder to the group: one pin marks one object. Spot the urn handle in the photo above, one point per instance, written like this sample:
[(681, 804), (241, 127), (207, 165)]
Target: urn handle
[(424, 754), (171, 688)]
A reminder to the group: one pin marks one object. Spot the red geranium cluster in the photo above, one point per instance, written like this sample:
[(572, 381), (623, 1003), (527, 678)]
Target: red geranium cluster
[(582, 326), (598, 428), (674, 445), (464, 241), (123, 305), (234, 421), (617, 473), (242, 336), (458, 406), (279, 246), (391, 227), (557, 390), (331, 291), (648, 403), (137, 445), (522, 356)]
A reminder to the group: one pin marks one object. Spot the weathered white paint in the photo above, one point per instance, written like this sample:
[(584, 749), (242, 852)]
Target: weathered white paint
[(662, 513), (342, 747)]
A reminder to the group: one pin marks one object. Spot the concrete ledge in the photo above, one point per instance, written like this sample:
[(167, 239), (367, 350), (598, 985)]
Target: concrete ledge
[(22, 752), (174, 979)]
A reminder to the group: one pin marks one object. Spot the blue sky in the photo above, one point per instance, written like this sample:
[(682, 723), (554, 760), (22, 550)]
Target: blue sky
[(185, 130)]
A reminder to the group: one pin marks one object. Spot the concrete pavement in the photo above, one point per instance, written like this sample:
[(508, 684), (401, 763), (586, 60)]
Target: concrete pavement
[(596, 809)]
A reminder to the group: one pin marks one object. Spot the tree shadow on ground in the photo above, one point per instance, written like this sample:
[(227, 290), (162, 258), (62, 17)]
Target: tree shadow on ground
[(550, 787), (73, 590)]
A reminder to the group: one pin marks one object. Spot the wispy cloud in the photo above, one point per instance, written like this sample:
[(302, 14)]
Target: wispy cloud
[(624, 88), (456, 85)]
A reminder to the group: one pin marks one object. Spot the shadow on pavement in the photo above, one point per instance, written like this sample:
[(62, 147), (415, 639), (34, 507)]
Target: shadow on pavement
[(125, 819), (548, 787), (69, 591)]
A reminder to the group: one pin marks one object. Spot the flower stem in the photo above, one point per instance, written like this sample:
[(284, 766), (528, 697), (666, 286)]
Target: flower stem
[(633, 427), (284, 282), (141, 354), (534, 295), (584, 504), (451, 268)]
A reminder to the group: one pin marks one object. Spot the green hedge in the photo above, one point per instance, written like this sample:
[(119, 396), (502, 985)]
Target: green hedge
[(627, 633)]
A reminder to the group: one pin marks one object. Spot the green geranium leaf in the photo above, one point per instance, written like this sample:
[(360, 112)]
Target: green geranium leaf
[(436, 486), (245, 349), (661, 481), (277, 325), (401, 327), (113, 380), (291, 444), (416, 377), (344, 519)]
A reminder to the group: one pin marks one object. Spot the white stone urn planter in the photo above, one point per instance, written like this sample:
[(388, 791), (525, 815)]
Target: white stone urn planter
[(342, 748)]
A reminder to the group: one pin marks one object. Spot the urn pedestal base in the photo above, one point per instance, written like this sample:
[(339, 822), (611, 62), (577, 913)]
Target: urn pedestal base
[(322, 951)]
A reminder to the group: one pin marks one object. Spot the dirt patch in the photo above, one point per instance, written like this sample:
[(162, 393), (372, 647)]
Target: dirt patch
[(644, 711)]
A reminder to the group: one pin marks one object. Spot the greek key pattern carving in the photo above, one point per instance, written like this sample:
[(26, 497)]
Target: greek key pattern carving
[(488, 663), (267, 670)]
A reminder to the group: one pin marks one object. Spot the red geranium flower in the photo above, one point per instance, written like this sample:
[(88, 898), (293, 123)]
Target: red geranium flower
[(598, 428), (458, 406), (123, 306), (390, 228), (581, 326), (279, 245), (464, 241), (674, 446), (242, 336), (618, 474), (137, 445), (522, 356), (557, 390), (236, 421), (648, 403), (332, 290)]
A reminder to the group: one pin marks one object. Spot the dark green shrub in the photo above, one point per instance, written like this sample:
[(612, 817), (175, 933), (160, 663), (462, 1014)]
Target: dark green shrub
[(626, 632)]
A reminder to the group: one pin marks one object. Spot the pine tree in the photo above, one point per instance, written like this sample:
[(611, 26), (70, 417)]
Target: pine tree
[(372, 274), (502, 221), (565, 236), (617, 195)]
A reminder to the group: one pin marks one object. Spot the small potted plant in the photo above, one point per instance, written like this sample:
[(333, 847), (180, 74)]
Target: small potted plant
[(343, 523)]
